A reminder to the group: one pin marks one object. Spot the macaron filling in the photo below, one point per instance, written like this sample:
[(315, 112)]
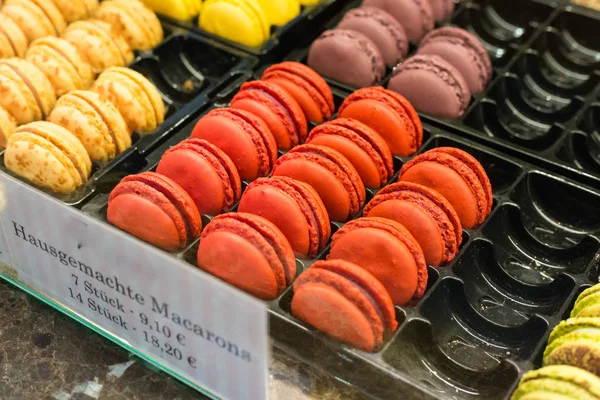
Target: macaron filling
[(10, 40)]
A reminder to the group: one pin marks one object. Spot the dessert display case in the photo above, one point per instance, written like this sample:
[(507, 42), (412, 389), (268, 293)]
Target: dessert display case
[(484, 319)]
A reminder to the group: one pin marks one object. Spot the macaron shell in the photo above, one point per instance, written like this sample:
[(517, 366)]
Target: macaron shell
[(332, 176), (75, 10), (277, 108), (476, 167), (370, 244), (416, 16), (98, 44), (76, 115), (309, 89), (560, 379), (367, 282), (31, 16), (40, 162), (147, 217), (8, 126), (264, 264), (205, 172), (149, 89), (432, 85), (588, 303), (389, 114), (249, 148), (332, 53), (27, 93), (379, 26), (61, 64), (240, 21), (283, 211), (329, 311), (579, 350), (129, 98), (363, 147), (464, 52), (13, 42), (249, 270), (135, 22), (170, 198), (182, 10)]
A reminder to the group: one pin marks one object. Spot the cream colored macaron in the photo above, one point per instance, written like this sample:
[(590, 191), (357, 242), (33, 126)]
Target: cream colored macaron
[(26, 93), (13, 42), (75, 10), (136, 98), (49, 156), (137, 23), (99, 44), (96, 123), (36, 18), (60, 61), (8, 126)]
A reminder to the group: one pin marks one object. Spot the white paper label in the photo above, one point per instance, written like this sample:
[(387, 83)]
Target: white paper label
[(203, 329)]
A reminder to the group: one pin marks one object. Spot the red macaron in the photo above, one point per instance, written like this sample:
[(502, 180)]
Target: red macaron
[(155, 209), (248, 252), (427, 215), (274, 105), (205, 172), (294, 207), (457, 176), (386, 249), (309, 89), (389, 114), (244, 137), (346, 302), (330, 173), (361, 145)]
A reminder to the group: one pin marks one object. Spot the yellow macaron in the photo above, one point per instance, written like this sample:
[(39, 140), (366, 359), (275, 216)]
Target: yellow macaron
[(8, 126), (49, 156), (182, 10), (13, 42), (240, 21), (26, 92), (136, 98), (280, 12), (135, 22), (99, 44), (62, 64)]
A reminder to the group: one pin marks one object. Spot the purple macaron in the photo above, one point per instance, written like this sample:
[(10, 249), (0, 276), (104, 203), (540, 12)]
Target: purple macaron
[(348, 57), (442, 9), (383, 29), (432, 85), (415, 16), (464, 51)]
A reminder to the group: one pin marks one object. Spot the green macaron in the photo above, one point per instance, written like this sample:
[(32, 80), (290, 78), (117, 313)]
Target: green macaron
[(575, 342), (588, 303), (559, 382)]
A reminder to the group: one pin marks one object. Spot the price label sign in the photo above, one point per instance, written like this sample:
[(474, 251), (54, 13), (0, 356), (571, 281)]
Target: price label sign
[(201, 328)]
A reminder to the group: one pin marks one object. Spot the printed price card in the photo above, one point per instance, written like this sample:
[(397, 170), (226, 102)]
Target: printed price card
[(203, 329)]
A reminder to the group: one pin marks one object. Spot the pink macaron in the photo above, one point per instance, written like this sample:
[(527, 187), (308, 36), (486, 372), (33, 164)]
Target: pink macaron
[(464, 51)]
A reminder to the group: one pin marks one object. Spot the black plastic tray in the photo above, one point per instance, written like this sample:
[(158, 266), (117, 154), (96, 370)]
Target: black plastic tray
[(302, 29), (188, 71), (543, 102), (485, 318)]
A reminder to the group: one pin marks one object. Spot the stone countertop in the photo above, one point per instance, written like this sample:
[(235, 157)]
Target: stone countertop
[(46, 355)]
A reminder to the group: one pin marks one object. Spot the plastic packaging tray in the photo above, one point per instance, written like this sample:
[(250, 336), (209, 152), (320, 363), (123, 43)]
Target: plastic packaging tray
[(188, 71), (543, 102), (485, 318)]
